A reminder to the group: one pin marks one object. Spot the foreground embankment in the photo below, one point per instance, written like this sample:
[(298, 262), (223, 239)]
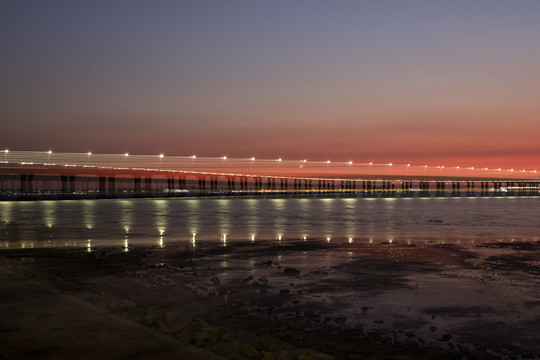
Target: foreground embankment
[(274, 300)]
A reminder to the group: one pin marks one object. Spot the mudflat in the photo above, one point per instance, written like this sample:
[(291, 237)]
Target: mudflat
[(291, 299)]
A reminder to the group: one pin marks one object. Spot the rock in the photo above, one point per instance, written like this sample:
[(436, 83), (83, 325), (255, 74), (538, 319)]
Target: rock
[(446, 337), (208, 336), (409, 334), (340, 320), (291, 271), (152, 316), (215, 280), (432, 329), (308, 354), (248, 351), (249, 278), (284, 291), (263, 280)]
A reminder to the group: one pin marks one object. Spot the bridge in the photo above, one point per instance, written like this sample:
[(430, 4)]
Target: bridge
[(50, 175)]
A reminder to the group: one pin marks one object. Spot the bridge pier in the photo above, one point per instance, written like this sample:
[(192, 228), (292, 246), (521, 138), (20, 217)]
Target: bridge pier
[(147, 184), (27, 184), (202, 184), (137, 185), (112, 185)]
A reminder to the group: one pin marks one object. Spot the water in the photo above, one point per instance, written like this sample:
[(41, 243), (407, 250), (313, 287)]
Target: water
[(222, 221)]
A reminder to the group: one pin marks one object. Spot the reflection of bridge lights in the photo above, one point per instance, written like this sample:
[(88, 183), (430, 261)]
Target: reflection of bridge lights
[(126, 248), (161, 232), (371, 240), (304, 237), (252, 238), (161, 244), (224, 239), (279, 237), (193, 238), (351, 240), (328, 238), (390, 241)]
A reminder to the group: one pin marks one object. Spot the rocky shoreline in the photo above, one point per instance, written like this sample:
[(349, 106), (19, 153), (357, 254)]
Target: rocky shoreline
[(312, 300)]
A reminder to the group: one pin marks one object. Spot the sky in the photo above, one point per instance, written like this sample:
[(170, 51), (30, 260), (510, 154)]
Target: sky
[(451, 83)]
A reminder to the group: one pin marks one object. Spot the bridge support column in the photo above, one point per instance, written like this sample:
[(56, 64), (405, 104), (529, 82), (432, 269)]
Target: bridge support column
[(101, 186), (202, 184), (148, 184), (137, 185), (112, 187), (27, 184), (72, 184), (64, 183)]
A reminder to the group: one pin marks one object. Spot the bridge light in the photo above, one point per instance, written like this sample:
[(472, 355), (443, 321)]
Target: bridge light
[(126, 155), (253, 158), (304, 161), (408, 165), (280, 160), (390, 164), (89, 153), (193, 156), (328, 161), (49, 152), (350, 162), (370, 163), (223, 158), (161, 155)]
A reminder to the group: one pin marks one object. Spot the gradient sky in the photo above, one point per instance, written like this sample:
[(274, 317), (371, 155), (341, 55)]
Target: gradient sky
[(435, 82)]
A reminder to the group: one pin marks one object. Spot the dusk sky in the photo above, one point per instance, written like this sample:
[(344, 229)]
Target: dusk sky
[(436, 82)]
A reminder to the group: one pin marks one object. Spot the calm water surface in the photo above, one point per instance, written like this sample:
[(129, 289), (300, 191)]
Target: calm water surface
[(221, 221)]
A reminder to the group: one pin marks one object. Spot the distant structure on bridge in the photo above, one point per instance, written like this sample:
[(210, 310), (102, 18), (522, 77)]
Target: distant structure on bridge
[(48, 175)]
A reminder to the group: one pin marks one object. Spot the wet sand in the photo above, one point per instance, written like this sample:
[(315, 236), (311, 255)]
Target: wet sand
[(275, 300)]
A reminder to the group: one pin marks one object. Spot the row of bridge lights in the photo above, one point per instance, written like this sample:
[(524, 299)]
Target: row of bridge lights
[(304, 161)]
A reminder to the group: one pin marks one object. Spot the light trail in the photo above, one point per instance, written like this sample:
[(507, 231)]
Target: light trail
[(252, 166)]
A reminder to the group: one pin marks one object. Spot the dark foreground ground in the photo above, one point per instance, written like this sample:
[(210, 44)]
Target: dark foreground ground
[(273, 300)]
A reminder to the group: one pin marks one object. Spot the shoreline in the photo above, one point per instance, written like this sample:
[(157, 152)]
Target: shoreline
[(343, 301)]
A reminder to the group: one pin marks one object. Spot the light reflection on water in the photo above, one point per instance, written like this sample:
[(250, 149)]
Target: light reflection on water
[(222, 221)]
